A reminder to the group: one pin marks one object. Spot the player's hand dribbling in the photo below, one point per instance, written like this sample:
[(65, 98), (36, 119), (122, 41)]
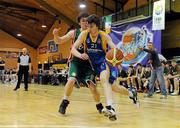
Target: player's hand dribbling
[(84, 56), (56, 31)]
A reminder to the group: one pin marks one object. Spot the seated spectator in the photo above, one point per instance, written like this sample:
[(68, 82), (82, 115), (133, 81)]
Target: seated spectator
[(2, 67), (166, 73), (13, 76), (122, 78), (139, 75), (175, 76), (7, 75), (131, 79), (146, 78)]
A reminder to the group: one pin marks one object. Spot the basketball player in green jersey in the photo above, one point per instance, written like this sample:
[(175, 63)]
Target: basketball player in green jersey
[(80, 71)]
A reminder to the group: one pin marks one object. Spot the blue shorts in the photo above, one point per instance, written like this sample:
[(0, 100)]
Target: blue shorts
[(113, 71)]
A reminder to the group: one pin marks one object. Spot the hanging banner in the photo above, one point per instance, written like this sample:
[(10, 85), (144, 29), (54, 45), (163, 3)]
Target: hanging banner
[(52, 47), (159, 15), (43, 50), (108, 22), (130, 37)]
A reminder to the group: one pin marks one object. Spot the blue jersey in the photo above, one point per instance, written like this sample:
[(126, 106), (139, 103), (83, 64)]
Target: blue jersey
[(96, 50)]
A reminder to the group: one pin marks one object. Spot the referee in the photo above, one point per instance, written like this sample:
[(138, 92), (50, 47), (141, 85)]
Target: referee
[(23, 68)]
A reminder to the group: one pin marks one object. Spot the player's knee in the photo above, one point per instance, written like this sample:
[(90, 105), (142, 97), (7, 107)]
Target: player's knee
[(103, 79), (71, 81), (175, 79)]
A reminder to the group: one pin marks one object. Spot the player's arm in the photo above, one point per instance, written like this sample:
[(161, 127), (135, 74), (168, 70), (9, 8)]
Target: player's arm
[(75, 46), (62, 39), (175, 76), (147, 50), (109, 41)]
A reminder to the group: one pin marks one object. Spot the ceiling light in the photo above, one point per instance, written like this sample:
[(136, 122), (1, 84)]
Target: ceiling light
[(82, 5), (19, 34), (43, 26)]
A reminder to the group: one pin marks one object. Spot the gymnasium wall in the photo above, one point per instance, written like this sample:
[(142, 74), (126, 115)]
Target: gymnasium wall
[(132, 4), (64, 49), (171, 35), (8, 42)]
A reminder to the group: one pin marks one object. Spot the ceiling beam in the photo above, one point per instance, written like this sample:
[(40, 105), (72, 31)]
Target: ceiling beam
[(110, 10), (56, 12), (14, 6), (18, 15), (121, 2)]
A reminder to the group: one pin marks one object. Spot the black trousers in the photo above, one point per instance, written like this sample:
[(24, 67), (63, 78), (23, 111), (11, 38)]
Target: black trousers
[(23, 70)]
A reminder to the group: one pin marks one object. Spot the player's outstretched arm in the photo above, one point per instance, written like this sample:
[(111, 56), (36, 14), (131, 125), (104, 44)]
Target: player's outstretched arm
[(62, 39)]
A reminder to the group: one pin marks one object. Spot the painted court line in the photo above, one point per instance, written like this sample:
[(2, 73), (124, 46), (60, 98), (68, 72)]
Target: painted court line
[(48, 126)]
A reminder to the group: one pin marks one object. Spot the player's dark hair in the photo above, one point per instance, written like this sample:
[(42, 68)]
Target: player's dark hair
[(139, 64), (131, 66), (82, 15), (150, 43), (174, 61), (94, 19), (164, 62)]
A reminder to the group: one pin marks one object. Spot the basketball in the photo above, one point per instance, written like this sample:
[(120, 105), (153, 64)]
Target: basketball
[(114, 57)]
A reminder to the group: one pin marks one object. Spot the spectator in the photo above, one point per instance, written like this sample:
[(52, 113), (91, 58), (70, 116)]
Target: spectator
[(146, 78), (175, 76), (157, 71), (2, 67), (122, 78), (166, 73), (131, 77), (13, 76), (7, 75), (139, 75)]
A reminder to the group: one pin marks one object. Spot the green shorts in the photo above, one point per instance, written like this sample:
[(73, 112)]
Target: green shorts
[(82, 71)]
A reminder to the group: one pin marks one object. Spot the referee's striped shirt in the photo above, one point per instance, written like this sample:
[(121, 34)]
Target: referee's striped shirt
[(24, 60)]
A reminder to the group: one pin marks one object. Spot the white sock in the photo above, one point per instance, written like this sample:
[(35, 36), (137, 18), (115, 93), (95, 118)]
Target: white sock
[(65, 97), (108, 94)]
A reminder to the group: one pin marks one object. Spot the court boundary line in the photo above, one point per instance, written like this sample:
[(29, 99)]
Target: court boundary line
[(49, 126)]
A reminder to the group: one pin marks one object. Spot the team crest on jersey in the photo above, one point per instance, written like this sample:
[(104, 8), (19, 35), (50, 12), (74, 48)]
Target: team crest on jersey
[(113, 73), (102, 65), (98, 41), (73, 74), (88, 41)]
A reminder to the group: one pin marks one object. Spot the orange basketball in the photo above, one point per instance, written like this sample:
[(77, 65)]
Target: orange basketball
[(114, 57)]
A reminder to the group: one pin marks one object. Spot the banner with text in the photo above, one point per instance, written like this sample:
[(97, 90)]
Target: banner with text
[(159, 15)]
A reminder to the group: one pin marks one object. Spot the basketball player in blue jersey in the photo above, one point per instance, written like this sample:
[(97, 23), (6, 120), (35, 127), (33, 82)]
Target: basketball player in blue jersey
[(95, 44)]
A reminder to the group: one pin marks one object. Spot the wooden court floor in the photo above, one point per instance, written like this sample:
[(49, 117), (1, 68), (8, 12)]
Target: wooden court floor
[(38, 108)]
